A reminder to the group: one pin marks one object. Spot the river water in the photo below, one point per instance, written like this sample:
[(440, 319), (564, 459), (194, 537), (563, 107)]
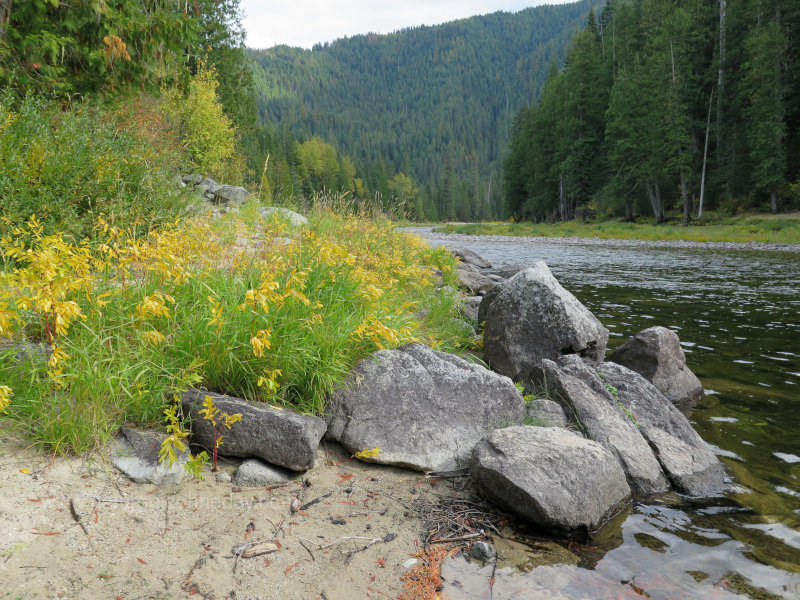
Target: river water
[(737, 314)]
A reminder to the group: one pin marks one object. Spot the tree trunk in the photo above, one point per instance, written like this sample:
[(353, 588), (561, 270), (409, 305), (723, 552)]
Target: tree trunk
[(5, 16), (705, 156), (721, 72), (660, 215), (774, 198), (628, 210), (685, 197), (562, 195)]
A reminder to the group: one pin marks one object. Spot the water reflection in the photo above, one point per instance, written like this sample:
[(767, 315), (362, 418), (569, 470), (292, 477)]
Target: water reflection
[(738, 317)]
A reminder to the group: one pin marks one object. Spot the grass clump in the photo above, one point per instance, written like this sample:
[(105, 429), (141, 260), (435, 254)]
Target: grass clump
[(241, 305)]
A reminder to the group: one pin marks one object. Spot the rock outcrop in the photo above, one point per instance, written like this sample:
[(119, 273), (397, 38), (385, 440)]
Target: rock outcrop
[(277, 435), (686, 459), (550, 476), (423, 409), (534, 318), (473, 281), (656, 355), (604, 421)]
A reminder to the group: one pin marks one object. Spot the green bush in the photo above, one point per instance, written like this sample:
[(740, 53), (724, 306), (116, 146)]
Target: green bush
[(71, 165)]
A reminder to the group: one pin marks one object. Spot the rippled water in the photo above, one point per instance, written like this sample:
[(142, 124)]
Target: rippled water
[(738, 317)]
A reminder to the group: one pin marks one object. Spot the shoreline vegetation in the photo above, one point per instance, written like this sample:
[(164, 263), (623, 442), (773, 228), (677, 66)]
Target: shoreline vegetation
[(757, 228)]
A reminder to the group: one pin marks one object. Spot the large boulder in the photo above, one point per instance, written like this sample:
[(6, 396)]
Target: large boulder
[(232, 195), (656, 355), (423, 409), (471, 280), (488, 298), (604, 421), (277, 435), (135, 453), (686, 459), (295, 219), (470, 307), (550, 476), (534, 318)]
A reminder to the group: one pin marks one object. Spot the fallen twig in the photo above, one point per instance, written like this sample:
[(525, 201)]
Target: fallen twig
[(461, 538), (300, 539)]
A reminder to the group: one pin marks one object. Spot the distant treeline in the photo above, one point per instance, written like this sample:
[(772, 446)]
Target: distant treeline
[(419, 118), (679, 104)]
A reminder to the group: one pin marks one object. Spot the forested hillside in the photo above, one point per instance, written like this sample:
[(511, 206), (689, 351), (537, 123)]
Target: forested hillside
[(683, 105), (424, 113)]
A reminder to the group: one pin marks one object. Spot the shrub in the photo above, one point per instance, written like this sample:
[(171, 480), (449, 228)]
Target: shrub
[(208, 135), (277, 316), (70, 165)]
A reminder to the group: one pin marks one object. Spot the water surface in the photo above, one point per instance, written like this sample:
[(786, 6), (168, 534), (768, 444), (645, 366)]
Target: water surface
[(737, 314)]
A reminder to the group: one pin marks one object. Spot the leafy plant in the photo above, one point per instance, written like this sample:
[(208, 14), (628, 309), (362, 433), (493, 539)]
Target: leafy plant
[(629, 414), (212, 414)]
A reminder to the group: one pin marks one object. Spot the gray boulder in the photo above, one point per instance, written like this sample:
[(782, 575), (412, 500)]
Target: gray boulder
[(656, 355), (550, 476), (471, 280), (257, 473), (278, 436), (192, 179), (546, 413), (135, 453), (604, 421), (488, 298), (470, 307), (233, 195), (534, 318), (507, 271), (424, 409), (686, 459), (471, 258), (208, 185), (295, 219), (27, 352)]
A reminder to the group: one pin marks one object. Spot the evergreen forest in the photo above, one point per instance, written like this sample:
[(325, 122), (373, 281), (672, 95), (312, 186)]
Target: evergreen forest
[(666, 109), (419, 118)]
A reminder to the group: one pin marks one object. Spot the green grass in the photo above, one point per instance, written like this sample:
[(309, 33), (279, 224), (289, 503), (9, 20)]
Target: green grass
[(774, 229), (328, 298)]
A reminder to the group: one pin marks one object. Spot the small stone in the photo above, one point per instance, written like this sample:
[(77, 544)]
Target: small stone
[(410, 563), (482, 551), (257, 473), (223, 477)]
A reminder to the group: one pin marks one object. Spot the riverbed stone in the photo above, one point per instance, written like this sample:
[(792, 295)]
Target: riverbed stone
[(295, 219), (470, 307), (546, 413), (686, 459), (473, 281), (534, 318), (656, 355), (550, 476), (256, 473), (135, 453), (471, 258), (424, 409), (277, 435), (600, 416)]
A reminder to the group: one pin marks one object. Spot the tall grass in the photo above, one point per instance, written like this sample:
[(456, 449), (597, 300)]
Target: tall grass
[(241, 305), (783, 229)]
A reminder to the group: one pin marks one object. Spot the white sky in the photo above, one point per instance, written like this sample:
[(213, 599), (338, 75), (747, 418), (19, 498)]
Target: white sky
[(306, 22)]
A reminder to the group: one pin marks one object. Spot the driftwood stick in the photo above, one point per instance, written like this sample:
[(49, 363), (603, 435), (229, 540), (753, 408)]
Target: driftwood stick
[(461, 538)]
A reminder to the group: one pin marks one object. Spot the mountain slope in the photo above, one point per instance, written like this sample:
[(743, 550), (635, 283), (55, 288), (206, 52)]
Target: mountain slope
[(428, 101)]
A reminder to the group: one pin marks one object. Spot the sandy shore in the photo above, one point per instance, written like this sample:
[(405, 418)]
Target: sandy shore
[(143, 541)]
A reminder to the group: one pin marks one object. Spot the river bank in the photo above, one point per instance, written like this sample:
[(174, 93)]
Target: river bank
[(442, 232), (771, 232)]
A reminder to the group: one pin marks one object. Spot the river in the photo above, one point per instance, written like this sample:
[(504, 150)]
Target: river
[(738, 317)]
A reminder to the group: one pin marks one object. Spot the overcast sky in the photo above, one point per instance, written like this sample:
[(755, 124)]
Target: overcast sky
[(307, 22)]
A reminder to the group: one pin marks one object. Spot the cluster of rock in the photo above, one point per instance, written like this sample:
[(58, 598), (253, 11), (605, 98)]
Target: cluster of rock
[(594, 434), (229, 196)]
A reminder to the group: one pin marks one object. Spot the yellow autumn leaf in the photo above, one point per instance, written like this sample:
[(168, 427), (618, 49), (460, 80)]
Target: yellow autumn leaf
[(24, 470), (366, 453)]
